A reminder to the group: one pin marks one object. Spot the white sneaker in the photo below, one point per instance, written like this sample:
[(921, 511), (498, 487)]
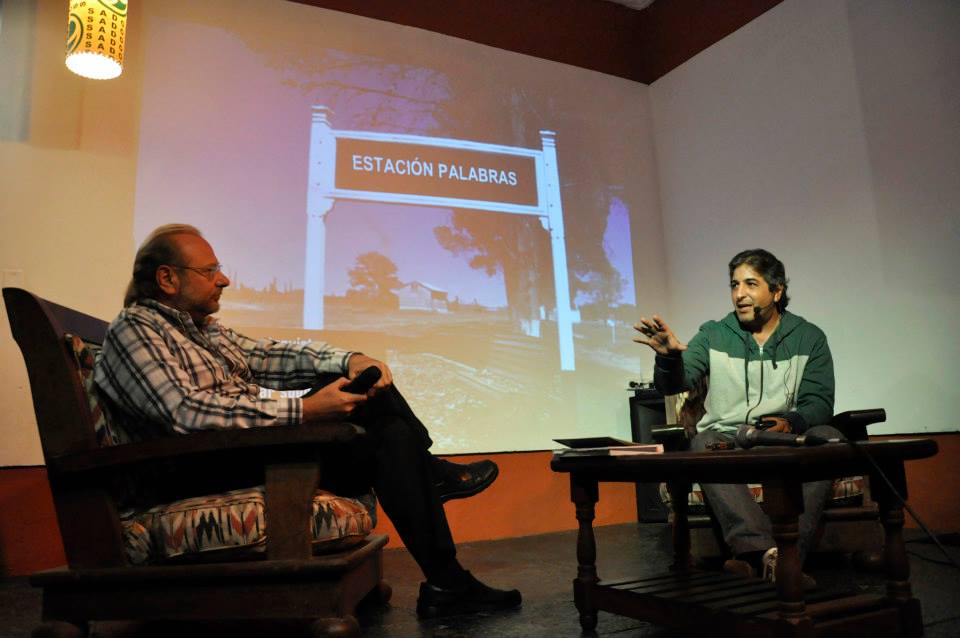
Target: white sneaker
[(769, 563)]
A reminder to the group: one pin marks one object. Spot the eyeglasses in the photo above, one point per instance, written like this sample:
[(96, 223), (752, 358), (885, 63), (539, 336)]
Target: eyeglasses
[(209, 272)]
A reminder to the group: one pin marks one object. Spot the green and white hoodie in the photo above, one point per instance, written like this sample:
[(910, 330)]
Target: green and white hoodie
[(791, 375)]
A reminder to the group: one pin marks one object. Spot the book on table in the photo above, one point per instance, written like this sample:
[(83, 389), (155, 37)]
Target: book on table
[(606, 446)]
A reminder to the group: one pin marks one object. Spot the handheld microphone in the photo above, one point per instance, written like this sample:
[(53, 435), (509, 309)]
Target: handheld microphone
[(749, 436)]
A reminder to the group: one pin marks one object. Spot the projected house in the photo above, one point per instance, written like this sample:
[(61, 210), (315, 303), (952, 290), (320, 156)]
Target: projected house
[(428, 171), (417, 295)]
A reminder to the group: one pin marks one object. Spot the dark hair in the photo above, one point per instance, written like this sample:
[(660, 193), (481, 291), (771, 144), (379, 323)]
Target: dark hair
[(769, 267), (156, 250)]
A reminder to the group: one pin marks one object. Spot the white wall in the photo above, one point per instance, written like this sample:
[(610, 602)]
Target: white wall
[(67, 171), (828, 132)]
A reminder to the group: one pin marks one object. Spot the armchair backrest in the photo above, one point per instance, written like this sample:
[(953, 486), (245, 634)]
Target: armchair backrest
[(87, 516), (40, 328)]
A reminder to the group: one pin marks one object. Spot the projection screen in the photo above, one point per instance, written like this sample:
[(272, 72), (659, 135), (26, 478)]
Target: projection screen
[(462, 212)]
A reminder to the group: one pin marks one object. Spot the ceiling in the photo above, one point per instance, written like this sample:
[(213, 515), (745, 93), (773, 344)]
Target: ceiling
[(639, 40), (634, 4)]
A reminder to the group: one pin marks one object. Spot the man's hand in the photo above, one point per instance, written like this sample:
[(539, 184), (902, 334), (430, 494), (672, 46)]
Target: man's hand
[(360, 362), (657, 334), (779, 424), (330, 403)]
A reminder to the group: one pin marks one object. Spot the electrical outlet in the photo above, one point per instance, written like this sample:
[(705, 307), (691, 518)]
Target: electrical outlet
[(12, 278)]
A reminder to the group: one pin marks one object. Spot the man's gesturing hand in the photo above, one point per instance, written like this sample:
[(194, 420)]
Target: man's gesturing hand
[(657, 334), (330, 403), (360, 362)]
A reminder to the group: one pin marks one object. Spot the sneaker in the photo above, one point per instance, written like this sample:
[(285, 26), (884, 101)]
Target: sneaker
[(770, 570), (470, 597), (461, 481), (769, 563)]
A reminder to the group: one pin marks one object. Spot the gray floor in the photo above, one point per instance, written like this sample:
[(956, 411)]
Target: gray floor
[(542, 567)]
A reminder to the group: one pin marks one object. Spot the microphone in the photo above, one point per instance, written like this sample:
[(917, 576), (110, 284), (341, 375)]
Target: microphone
[(758, 309), (749, 436)]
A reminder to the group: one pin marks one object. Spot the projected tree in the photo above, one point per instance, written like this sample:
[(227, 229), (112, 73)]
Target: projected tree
[(370, 93), (520, 248), (373, 281), (596, 282), (599, 292), (517, 247)]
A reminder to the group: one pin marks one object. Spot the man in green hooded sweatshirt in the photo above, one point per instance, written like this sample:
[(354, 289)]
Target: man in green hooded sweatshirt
[(762, 364)]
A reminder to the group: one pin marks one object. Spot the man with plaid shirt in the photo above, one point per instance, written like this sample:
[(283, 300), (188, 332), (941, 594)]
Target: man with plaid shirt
[(168, 365)]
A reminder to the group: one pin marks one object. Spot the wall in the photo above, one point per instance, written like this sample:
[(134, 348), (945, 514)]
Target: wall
[(828, 132), (67, 174), (30, 541)]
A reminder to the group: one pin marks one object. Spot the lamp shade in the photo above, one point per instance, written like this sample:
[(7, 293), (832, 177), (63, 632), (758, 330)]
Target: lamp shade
[(95, 36)]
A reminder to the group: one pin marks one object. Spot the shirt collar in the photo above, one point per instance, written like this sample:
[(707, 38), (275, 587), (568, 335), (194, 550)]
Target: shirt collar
[(182, 319)]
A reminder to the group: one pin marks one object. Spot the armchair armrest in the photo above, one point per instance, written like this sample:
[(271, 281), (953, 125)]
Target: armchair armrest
[(274, 443), (853, 423), (287, 460), (673, 437)]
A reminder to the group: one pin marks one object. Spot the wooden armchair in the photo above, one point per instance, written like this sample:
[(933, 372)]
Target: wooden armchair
[(288, 581)]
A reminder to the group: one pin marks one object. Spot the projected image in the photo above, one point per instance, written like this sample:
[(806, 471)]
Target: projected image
[(462, 213)]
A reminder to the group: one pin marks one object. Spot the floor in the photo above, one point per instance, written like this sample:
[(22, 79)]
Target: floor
[(542, 567)]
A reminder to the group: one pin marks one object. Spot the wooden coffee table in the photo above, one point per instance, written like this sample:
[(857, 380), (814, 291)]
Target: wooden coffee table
[(713, 604)]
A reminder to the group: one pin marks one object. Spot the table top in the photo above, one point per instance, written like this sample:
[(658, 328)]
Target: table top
[(753, 465)]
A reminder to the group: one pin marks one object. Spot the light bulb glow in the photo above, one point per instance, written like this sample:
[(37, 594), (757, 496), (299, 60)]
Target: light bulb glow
[(94, 66)]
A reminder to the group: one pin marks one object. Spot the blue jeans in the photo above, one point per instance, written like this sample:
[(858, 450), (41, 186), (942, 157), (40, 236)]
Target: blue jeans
[(745, 527)]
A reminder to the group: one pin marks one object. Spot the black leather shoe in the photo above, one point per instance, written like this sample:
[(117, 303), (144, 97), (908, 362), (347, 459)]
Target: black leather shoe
[(470, 597), (461, 481)]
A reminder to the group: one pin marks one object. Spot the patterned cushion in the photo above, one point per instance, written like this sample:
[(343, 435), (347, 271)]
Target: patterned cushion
[(696, 503), (846, 492), (216, 527), (231, 525), (85, 356)]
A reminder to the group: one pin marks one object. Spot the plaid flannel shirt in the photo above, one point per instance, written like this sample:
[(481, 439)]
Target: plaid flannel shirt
[(159, 369)]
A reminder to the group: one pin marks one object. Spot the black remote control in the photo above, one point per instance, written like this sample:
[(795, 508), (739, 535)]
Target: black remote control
[(361, 383)]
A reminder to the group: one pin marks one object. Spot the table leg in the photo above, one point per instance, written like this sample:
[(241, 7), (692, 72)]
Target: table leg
[(895, 560), (584, 494), (783, 503)]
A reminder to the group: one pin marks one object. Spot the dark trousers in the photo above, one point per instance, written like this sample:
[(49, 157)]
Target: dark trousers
[(399, 467)]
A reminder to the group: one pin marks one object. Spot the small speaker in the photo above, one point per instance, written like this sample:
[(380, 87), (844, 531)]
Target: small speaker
[(647, 412)]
